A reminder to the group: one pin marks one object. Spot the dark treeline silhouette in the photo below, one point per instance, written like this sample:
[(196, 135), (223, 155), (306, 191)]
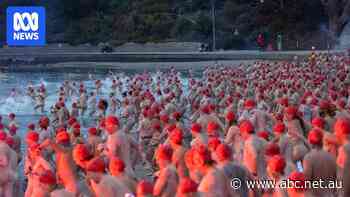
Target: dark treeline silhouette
[(238, 22)]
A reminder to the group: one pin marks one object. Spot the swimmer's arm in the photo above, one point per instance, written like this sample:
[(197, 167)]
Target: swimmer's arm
[(229, 136), (270, 117), (27, 166), (222, 126), (195, 116), (307, 167), (307, 124), (160, 183), (53, 145), (45, 164), (163, 135), (13, 160), (133, 143), (111, 147), (302, 138)]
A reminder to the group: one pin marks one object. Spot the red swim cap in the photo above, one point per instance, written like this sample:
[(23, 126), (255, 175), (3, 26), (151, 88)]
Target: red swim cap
[(342, 127), (72, 120), (60, 129), (212, 107), (102, 123), (32, 136), (291, 111), (201, 156), (284, 102), (318, 122), (249, 103), (341, 104), (92, 131), (96, 164), (279, 128), (212, 127), (3, 135), (164, 152), (48, 177), (76, 125), (177, 116), (144, 188), (277, 164), (112, 120), (31, 126), (264, 135), (213, 143), (156, 126), (298, 179), (187, 186), (170, 127), (223, 152), (176, 136), (196, 128), (324, 105), (164, 118), (81, 152), (206, 109), (10, 141), (246, 127), (116, 165), (230, 116), (315, 137), (62, 137), (272, 149)]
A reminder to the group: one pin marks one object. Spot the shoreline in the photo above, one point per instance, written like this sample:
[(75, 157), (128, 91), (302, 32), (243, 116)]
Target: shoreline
[(33, 60), (123, 66), (35, 57)]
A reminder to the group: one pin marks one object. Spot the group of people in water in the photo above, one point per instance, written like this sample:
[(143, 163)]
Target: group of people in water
[(157, 136)]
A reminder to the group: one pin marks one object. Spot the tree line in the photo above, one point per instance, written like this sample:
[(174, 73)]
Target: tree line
[(302, 23)]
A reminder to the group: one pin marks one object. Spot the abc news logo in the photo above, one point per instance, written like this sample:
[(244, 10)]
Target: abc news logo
[(25, 26), (30, 30)]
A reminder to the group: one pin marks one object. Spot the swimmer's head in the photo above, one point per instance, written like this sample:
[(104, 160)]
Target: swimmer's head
[(12, 116)]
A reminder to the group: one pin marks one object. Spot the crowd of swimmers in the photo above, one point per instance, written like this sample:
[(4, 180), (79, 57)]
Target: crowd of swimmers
[(154, 135)]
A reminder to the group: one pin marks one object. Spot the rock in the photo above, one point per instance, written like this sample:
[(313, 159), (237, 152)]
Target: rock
[(344, 39)]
